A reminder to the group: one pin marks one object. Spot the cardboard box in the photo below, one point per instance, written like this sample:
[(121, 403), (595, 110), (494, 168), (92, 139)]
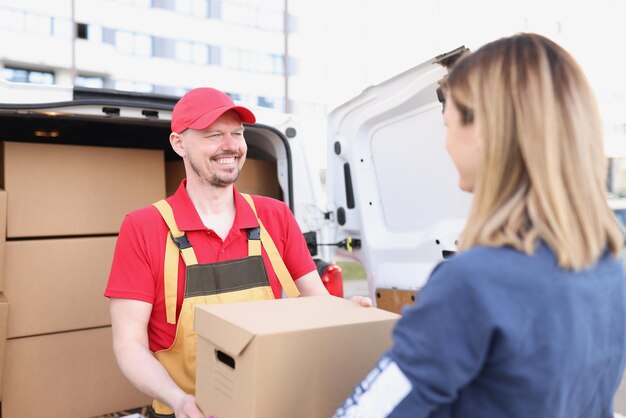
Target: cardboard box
[(4, 312), (70, 374), (57, 284), (174, 174), (3, 234), (257, 177), (60, 190), (285, 358)]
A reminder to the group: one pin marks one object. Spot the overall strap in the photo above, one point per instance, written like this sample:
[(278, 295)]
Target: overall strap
[(284, 277), (176, 243), (254, 241)]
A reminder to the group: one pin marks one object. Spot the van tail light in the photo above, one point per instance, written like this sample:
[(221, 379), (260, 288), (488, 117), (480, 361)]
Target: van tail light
[(332, 277)]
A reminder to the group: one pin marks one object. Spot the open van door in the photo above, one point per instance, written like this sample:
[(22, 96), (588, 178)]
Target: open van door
[(393, 193)]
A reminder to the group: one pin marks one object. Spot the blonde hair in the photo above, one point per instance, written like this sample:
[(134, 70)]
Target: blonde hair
[(543, 168)]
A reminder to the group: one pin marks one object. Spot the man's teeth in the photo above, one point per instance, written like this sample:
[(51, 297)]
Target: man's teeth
[(229, 160)]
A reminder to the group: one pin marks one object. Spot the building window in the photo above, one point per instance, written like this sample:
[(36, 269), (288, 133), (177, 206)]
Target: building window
[(164, 4), (247, 15), (38, 24), (196, 53), (163, 47), (81, 30), (143, 45), (265, 102), (200, 53), (292, 66), (89, 81), (278, 64), (133, 43), (95, 33), (215, 9), (124, 41), (61, 27), (292, 24), (136, 86), (108, 36), (24, 75), (165, 90), (90, 32), (239, 14), (234, 96), (12, 20), (215, 55), (252, 61), (198, 8), (271, 20), (182, 51)]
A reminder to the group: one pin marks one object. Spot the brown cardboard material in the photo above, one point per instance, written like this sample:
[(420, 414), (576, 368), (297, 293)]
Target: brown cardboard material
[(256, 177), (70, 374), (57, 284), (60, 190), (256, 359), (394, 300), (3, 234), (4, 312), (259, 177), (174, 174)]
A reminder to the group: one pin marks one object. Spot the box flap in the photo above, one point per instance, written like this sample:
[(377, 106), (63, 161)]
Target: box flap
[(279, 316), (231, 338)]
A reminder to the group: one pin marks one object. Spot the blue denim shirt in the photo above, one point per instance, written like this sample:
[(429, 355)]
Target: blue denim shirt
[(497, 333)]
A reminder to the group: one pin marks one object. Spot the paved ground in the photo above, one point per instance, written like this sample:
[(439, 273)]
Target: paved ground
[(355, 288)]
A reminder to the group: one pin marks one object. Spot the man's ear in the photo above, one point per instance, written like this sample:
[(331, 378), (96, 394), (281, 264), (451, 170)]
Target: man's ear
[(176, 141)]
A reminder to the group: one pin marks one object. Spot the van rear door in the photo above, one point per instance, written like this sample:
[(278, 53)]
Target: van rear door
[(392, 189)]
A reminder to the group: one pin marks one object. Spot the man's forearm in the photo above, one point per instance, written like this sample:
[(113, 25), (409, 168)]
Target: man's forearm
[(145, 372)]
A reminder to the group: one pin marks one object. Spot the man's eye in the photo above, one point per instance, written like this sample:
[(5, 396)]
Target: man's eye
[(238, 133), (215, 135)]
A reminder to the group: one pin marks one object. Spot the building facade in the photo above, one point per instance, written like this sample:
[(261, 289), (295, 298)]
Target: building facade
[(157, 46)]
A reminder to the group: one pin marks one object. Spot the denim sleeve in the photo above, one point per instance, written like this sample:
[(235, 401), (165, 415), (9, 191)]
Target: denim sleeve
[(440, 344)]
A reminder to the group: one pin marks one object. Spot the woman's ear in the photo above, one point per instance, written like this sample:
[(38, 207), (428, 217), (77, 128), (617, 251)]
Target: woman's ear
[(176, 141)]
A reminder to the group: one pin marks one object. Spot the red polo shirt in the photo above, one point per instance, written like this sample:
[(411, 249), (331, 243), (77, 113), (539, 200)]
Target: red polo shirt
[(137, 269)]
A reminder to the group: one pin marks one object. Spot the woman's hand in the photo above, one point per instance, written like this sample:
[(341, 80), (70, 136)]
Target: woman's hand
[(364, 301)]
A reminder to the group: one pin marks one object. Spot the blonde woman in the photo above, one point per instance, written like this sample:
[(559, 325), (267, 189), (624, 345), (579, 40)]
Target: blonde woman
[(529, 318)]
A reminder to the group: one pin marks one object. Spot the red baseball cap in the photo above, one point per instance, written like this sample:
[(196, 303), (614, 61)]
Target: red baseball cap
[(202, 106)]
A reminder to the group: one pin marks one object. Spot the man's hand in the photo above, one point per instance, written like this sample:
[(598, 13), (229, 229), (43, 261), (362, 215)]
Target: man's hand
[(364, 301), (187, 408)]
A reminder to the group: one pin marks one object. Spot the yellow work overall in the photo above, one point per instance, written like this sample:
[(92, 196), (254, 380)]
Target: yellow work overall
[(222, 282)]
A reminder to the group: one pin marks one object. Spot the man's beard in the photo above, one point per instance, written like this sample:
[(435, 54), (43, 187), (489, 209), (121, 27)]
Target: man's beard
[(217, 181)]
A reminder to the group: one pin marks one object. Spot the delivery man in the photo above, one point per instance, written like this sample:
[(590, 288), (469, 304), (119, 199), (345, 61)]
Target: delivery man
[(207, 243)]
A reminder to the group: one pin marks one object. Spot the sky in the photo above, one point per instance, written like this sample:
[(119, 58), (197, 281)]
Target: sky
[(358, 43), (368, 41)]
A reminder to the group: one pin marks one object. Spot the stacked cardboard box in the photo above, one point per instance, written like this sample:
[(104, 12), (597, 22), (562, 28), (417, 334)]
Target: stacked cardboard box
[(63, 206)]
